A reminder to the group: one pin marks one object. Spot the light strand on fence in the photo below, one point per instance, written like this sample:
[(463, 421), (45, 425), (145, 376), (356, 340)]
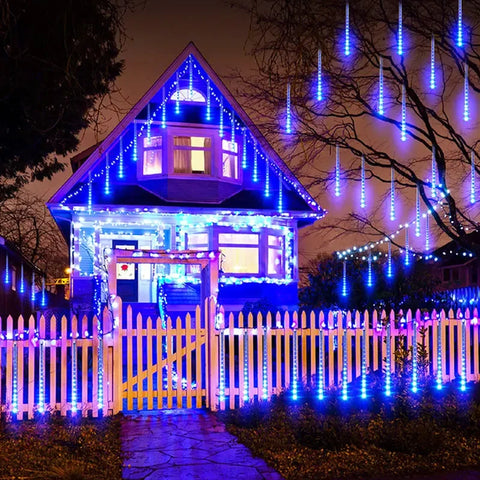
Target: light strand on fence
[(364, 360), (265, 365), (414, 358), (388, 362), (321, 379), (344, 366), (439, 377), (15, 379), (245, 367), (41, 377), (463, 367), (100, 370), (295, 366), (221, 387), (74, 376)]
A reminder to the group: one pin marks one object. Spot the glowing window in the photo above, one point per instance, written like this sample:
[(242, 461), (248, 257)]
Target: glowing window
[(240, 252), (229, 159), (192, 154), (238, 238), (152, 156), (275, 255), (187, 95)]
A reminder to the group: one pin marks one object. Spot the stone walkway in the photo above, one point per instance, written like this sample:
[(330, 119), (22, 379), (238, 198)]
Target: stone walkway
[(186, 444)]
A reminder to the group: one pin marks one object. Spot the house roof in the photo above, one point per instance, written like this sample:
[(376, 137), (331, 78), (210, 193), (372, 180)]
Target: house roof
[(95, 152), (452, 254)]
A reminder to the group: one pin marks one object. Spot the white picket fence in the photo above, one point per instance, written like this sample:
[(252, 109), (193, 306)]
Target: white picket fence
[(216, 360)]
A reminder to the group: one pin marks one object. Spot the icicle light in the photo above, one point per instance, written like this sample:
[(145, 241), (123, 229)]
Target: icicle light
[(392, 194), (404, 114), (434, 173), (267, 178), (220, 127), (337, 171), (439, 376), (319, 77), (265, 365), (463, 368), (388, 361), (400, 29), (460, 24), (190, 77), (100, 370), (344, 279), (90, 193), (209, 102), (432, 64), (244, 149), (364, 360), (43, 298), (21, 288), (472, 178), (41, 377), (414, 358), (6, 278), (427, 231), (164, 109), (381, 109), (245, 367), (288, 125), (149, 123), (417, 213), (369, 273), (347, 29), (362, 184), (344, 361), (15, 379), (177, 94), (135, 143), (232, 127), (107, 174), (389, 261), (466, 108), (255, 164), (32, 292), (295, 365), (121, 172), (407, 246), (280, 194), (321, 379), (74, 376)]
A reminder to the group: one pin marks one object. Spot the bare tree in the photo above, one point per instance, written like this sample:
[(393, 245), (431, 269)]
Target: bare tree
[(27, 224), (285, 38)]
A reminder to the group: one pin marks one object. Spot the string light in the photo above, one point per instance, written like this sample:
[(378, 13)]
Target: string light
[(388, 362), (400, 30), (267, 178), (135, 143), (344, 279), (407, 247), (164, 109), (232, 127), (364, 360), (15, 379), (347, 28), (432, 64), (21, 288), (244, 149), (43, 298), (460, 24), (344, 363), (245, 367), (466, 109), (362, 184), (392, 194), (90, 193), (177, 96), (369, 274), (417, 213), (74, 375), (434, 173), (439, 376), (414, 358), (41, 377), (209, 107), (107, 174), (149, 123), (220, 128), (7, 271), (121, 173), (427, 231), (280, 194), (295, 365), (288, 126), (463, 368), (32, 292), (319, 77), (404, 114), (190, 77), (321, 380), (337, 171), (265, 365), (472, 177), (255, 163), (389, 261), (381, 110)]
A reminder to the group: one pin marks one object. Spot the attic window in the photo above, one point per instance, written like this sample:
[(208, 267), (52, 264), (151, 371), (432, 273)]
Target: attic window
[(187, 95)]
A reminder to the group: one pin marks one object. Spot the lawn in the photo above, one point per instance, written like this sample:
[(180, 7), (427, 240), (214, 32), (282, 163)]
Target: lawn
[(61, 448), (379, 437)]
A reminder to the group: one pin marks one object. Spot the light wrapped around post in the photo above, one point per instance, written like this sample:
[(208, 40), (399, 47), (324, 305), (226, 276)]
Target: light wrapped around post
[(463, 367), (321, 379), (221, 387), (364, 360), (344, 361), (295, 365), (41, 376), (265, 365), (74, 375), (414, 358), (245, 367), (439, 376), (388, 364)]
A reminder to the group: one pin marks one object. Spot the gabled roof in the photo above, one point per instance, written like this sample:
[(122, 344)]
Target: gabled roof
[(81, 174)]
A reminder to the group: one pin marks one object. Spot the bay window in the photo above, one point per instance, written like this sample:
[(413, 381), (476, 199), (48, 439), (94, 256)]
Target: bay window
[(152, 155), (192, 155)]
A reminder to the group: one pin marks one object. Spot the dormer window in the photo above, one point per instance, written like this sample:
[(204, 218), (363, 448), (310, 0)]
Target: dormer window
[(187, 95), (152, 155), (192, 155)]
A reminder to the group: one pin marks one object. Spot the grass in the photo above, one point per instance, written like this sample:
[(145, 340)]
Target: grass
[(61, 448), (378, 437)]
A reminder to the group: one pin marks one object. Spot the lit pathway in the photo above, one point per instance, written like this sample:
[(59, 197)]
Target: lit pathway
[(186, 444)]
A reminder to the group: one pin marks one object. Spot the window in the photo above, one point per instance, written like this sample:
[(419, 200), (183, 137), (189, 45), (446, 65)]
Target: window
[(187, 95), (275, 255), (230, 159), (125, 271), (192, 154), (240, 252), (152, 155), (196, 241)]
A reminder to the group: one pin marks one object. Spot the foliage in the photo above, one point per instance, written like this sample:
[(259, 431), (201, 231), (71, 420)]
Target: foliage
[(373, 438), (410, 287), (59, 61), (28, 225), (61, 448), (285, 36)]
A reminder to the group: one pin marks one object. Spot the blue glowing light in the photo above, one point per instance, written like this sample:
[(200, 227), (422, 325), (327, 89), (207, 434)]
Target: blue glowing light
[(221, 386), (21, 288), (15, 379), (434, 173), (381, 110), (255, 163), (177, 94), (364, 360), (121, 172), (417, 213), (403, 127), (232, 126), (463, 371), (347, 29), (295, 365), (32, 292), (392, 194), (388, 362), (439, 376), (344, 279), (90, 193), (41, 377), (319, 77), (427, 231), (267, 178), (344, 363), (472, 177), (164, 109), (432, 64), (135, 142), (321, 380), (369, 273), (407, 246), (400, 30), (209, 102), (460, 24), (280, 194), (149, 123), (7, 272), (220, 127), (43, 298), (389, 261), (100, 370), (245, 367), (288, 124), (190, 77), (265, 365), (107, 174), (244, 149), (74, 376), (362, 184), (466, 108), (337, 171)]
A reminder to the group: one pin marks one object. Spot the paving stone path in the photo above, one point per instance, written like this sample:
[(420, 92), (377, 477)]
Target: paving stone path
[(186, 444)]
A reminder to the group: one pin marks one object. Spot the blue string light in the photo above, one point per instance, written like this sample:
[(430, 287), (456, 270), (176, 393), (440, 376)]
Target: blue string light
[(100, 368), (190, 78), (463, 367), (400, 30), (295, 365), (121, 172), (244, 149), (414, 358), (432, 64), (135, 142), (232, 127), (439, 377), (90, 193), (407, 247), (364, 360), (267, 178), (15, 379), (404, 114), (265, 365), (149, 123), (369, 273), (388, 362), (362, 184), (255, 163), (74, 375), (460, 24), (392, 194), (337, 171), (32, 292), (321, 380), (347, 28), (220, 127), (21, 288), (245, 367), (209, 106), (43, 298), (164, 109), (466, 109), (472, 177), (107, 174), (280, 194), (344, 362), (319, 77), (7, 272), (381, 110), (434, 173), (177, 94), (288, 125), (41, 377), (417, 213), (344, 279), (427, 231), (389, 260)]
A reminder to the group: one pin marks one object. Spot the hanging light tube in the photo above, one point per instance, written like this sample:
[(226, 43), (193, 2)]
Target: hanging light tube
[(466, 108), (362, 184), (177, 94), (255, 163), (280, 194), (381, 110), (347, 28), (417, 213), (473, 193), (164, 109), (392, 194), (404, 114), (107, 174), (427, 231), (209, 104), (267, 177), (434, 173), (400, 30), (344, 279), (319, 77), (337, 171), (121, 172), (389, 260), (432, 64), (369, 273), (244, 149), (288, 126), (460, 24), (220, 128), (407, 246)]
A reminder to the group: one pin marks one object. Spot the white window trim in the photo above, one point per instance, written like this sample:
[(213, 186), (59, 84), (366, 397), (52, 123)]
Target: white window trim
[(140, 150)]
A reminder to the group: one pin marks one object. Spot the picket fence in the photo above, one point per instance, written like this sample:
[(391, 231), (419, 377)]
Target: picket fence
[(218, 360)]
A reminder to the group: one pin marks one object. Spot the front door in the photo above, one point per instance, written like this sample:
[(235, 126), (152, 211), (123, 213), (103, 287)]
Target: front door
[(127, 273)]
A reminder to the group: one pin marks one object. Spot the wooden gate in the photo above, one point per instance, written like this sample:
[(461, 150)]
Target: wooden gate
[(162, 365)]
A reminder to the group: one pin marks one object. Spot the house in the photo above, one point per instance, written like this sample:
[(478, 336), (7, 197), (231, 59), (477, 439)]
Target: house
[(19, 276), (185, 172)]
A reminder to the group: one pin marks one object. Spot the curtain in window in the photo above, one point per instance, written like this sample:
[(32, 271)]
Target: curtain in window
[(181, 157)]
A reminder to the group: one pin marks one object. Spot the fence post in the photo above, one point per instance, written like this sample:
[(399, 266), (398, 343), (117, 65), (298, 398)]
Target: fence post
[(117, 326), (212, 344)]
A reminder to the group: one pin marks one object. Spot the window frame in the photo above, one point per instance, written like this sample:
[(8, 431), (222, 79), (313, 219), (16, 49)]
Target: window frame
[(141, 149), (258, 246)]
